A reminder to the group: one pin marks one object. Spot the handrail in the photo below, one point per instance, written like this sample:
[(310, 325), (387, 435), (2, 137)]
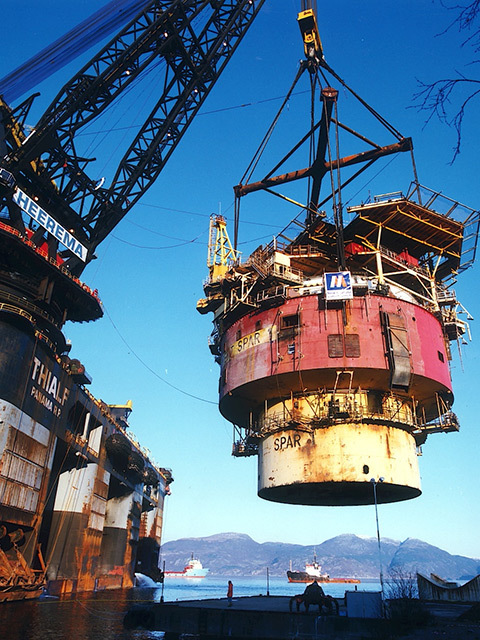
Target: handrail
[(24, 314), (25, 303), (52, 261)]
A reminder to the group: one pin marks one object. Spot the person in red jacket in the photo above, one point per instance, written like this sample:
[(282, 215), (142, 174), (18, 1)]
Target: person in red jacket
[(230, 593)]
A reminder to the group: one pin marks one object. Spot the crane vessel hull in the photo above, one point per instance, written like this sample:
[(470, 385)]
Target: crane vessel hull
[(81, 503)]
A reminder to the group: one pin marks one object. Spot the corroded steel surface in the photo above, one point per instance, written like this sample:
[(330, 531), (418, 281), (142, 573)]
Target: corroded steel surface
[(316, 384), (335, 464), (264, 358), (63, 497), (336, 375)]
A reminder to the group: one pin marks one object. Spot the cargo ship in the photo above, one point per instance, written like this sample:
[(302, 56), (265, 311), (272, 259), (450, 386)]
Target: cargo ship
[(81, 501), (193, 569)]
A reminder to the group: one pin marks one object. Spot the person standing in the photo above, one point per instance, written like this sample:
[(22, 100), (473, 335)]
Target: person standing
[(230, 593)]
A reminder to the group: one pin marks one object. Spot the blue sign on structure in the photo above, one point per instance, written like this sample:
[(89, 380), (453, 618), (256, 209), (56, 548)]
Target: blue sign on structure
[(338, 285)]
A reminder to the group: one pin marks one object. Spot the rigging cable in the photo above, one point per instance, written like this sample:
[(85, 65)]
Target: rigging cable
[(152, 371), (261, 148), (199, 115), (259, 152), (312, 136), (171, 246), (365, 104), (340, 239)]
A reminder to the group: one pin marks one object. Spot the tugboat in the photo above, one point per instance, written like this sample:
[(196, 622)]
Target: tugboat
[(312, 572), (193, 569)]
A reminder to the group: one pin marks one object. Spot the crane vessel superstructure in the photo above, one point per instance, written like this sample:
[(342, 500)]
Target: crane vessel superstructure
[(333, 340), (81, 502)]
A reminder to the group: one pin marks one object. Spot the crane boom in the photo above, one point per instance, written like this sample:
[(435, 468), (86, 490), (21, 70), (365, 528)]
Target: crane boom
[(195, 39)]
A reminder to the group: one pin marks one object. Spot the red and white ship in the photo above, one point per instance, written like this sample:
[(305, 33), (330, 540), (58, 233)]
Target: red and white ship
[(193, 569)]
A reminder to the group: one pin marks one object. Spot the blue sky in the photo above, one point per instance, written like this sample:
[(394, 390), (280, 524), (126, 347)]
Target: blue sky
[(149, 272)]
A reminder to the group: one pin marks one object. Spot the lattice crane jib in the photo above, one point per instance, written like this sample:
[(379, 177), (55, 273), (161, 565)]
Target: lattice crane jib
[(193, 40)]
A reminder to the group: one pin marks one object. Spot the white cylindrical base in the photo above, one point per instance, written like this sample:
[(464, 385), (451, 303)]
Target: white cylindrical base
[(334, 465)]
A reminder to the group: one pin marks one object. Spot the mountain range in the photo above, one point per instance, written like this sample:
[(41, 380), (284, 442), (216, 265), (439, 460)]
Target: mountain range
[(347, 556)]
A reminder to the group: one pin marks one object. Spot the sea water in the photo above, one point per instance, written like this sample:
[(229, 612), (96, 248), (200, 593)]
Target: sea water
[(99, 616), (216, 587)]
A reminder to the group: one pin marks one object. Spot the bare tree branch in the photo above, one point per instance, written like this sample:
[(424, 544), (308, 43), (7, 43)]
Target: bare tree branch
[(437, 98), (465, 20), (449, 98)]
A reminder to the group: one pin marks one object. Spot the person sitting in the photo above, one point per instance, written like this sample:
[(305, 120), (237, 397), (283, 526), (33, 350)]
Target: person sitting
[(314, 594)]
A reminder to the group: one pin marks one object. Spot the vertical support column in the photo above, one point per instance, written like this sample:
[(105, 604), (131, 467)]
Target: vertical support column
[(121, 534), (77, 525)]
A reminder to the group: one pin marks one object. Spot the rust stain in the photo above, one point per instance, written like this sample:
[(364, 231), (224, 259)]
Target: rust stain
[(387, 444)]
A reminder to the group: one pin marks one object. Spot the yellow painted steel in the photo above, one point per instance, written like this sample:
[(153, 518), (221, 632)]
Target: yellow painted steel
[(311, 37), (19, 137), (221, 253)]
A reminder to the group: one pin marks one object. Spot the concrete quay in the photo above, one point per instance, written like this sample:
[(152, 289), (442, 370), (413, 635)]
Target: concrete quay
[(259, 617)]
